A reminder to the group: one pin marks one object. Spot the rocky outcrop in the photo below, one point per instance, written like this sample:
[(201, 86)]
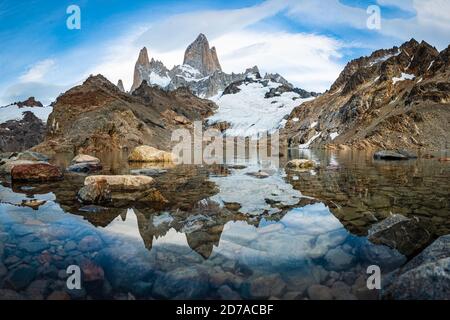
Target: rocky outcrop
[(30, 102), (97, 117), (150, 154), (19, 135), (400, 233), (395, 98), (425, 277), (120, 85), (154, 72), (200, 72), (201, 57)]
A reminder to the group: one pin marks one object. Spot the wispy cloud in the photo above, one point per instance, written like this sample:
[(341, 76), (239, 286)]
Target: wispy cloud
[(37, 71)]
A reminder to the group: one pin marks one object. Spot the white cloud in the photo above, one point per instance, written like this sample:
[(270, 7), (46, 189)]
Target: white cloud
[(309, 61), (37, 71), (430, 23)]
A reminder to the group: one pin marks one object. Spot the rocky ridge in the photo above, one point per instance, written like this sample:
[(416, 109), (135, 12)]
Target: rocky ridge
[(98, 117), (395, 98), (201, 71)]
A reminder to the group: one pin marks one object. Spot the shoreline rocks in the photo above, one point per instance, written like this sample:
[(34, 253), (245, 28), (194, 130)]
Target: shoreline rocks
[(400, 233), (425, 277)]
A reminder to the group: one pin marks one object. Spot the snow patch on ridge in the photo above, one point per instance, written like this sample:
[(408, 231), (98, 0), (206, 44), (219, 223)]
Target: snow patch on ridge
[(13, 112), (251, 114), (403, 77)]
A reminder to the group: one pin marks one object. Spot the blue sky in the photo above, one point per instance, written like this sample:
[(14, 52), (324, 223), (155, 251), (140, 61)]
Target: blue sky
[(308, 41)]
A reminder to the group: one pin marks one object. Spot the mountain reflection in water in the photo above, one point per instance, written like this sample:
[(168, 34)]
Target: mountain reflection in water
[(226, 234)]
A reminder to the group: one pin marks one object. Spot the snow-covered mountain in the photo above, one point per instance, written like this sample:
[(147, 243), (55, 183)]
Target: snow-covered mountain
[(200, 72), (16, 110), (257, 105)]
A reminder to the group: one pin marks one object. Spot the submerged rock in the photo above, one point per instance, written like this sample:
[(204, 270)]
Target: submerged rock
[(121, 182), (150, 154), (85, 167), (400, 233), (36, 172), (425, 277), (34, 203), (301, 164), (148, 172), (394, 155)]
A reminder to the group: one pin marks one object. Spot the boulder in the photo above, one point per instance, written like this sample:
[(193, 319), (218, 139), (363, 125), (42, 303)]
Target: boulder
[(6, 165), (301, 164), (36, 172), (84, 158), (400, 233), (121, 190), (121, 182), (394, 155), (85, 167), (150, 154), (425, 277)]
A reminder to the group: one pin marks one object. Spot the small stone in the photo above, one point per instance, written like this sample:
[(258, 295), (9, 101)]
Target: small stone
[(20, 277), (226, 293), (70, 245), (265, 287), (37, 289), (337, 259), (92, 271), (58, 295), (341, 291), (34, 246), (319, 292), (90, 243), (260, 174)]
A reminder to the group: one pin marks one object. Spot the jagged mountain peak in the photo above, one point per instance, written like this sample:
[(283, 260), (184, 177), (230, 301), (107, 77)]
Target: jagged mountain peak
[(201, 57), (120, 85), (143, 58)]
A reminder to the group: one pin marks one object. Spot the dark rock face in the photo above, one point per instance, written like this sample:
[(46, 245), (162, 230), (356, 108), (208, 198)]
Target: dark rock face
[(21, 135), (425, 277), (400, 233), (393, 99), (96, 116)]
